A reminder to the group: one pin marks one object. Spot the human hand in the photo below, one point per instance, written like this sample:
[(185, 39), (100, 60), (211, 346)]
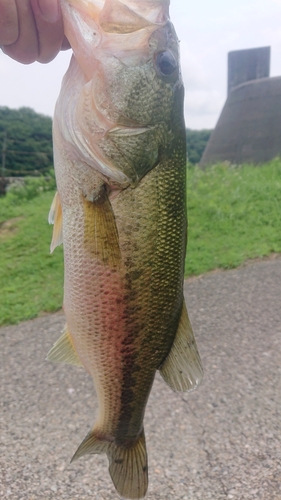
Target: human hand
[(31, 30)]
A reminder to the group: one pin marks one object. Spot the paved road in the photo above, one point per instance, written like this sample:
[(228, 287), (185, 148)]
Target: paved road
[(221, 442)]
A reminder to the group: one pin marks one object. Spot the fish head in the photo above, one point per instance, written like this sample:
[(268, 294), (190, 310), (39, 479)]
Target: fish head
[(130, 105)]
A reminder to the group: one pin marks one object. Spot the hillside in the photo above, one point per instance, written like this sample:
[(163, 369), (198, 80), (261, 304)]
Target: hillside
[(26, 141)]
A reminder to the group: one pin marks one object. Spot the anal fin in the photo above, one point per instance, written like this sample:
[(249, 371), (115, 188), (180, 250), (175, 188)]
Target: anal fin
[(63, 350), (55, 217), (182, 369)]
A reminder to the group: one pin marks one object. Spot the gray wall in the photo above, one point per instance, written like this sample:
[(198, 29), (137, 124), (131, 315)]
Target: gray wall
[(249, 128), (246, 65)]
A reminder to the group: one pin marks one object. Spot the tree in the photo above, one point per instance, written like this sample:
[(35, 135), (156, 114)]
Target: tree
[(196, 141), (29, 148)]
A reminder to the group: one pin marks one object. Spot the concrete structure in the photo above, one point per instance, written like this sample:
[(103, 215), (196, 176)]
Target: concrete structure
[(247, 65), (249, 127)]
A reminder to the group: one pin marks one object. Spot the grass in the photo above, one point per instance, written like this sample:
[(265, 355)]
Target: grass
[(31, 279), (234, 215)]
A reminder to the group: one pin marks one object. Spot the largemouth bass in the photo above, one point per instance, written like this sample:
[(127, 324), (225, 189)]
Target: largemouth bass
[(120, 211)]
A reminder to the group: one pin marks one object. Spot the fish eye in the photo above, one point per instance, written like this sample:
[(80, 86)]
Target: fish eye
[(166, 63)]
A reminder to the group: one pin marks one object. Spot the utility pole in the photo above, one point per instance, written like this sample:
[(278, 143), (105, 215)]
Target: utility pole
[(4, 152)]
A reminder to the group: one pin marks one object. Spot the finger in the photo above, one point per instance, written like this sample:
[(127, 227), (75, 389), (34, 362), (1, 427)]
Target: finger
[(50, 33), (25, 49), (65, 44), (50, 10), (9, 30)]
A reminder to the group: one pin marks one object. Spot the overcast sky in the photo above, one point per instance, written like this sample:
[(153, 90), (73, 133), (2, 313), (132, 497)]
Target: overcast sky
[(207, 29)]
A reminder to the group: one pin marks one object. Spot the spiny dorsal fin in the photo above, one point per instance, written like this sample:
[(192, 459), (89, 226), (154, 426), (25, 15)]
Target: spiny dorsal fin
[(182, 369), (55, 217), (127, 463), (63, 350)]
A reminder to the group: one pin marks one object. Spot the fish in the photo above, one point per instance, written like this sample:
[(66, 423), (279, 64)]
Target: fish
[(120, 213)]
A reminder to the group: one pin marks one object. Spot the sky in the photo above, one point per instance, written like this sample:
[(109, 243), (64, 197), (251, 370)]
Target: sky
[(207, 30)]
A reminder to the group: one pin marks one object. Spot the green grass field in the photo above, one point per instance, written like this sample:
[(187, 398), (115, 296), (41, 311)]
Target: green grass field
[(234, 215), (31, 279)]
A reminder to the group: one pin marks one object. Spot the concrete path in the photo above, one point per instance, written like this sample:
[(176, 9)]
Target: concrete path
[(221, 442)]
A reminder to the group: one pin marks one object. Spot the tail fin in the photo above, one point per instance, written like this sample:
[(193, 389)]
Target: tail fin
[(127, 464)]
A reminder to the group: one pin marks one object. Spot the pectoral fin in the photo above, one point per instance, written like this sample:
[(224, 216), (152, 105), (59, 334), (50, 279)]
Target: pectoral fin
[(55, 217), (182, 369), (100, 232), (63, 350)]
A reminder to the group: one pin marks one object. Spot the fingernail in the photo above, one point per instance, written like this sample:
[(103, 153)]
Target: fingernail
[(49, 10)]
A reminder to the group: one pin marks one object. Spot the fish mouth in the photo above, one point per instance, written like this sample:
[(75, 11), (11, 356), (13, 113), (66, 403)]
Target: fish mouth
[(129, 14), (117, 26)]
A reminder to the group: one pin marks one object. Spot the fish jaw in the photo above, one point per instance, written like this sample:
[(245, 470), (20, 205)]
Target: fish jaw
[(118, 26), (107, 120)]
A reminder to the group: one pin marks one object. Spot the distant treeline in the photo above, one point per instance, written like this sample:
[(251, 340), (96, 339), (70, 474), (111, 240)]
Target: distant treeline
[(26, 143), (196, 141)]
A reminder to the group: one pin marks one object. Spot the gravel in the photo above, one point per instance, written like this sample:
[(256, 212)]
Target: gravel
[(220, 442)]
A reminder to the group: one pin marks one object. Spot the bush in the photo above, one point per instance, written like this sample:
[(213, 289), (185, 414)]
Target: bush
[(31, 187)]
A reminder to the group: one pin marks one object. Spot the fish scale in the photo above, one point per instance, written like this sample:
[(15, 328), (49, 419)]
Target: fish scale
[(120, 211)]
